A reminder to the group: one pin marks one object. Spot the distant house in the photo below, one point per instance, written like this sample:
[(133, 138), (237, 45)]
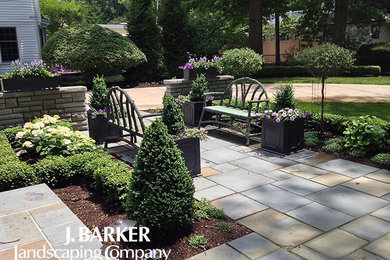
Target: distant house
[(119, 28), (22, 32)]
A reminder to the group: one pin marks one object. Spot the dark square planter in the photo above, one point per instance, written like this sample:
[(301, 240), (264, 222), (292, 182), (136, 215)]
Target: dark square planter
[(283, 137), (192, 112), (97, 128), (14, 85), (191, 154), (209, 73)]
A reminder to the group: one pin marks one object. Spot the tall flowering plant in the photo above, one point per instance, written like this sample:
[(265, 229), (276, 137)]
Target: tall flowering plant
[(32, 69), (285, 114), (201, 63)]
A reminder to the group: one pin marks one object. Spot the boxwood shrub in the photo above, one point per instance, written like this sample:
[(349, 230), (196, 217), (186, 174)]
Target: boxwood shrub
[(7, 154), (16, 174), (10, 133), (382, 158), (332, 123)]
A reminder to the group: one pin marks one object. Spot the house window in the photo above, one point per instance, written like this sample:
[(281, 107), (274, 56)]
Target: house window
[(375, 31), (8, 44)]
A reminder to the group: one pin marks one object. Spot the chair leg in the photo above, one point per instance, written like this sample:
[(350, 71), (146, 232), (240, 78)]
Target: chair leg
[(201, 119), (248, 132), (106, 138)]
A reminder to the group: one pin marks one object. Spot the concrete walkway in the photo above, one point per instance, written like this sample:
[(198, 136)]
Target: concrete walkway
[(152, 97)]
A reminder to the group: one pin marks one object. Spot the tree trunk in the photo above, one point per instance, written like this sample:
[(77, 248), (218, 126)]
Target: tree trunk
[(340, 21), (256, 25), (322, 105), (277, 39)]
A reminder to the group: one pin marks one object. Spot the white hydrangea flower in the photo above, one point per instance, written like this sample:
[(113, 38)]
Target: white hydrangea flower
[(27, 144), (67, 141)]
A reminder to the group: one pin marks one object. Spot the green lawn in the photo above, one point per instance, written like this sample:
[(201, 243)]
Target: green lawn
[(339, 80), (380, 110)]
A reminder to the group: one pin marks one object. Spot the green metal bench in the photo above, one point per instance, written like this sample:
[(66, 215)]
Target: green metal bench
[(123, 114), (232, 103)]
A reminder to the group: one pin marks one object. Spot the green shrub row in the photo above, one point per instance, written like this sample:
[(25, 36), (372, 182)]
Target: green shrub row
[(332, 123), (7, 154), (10, 133), (301, 71), (375, 54)]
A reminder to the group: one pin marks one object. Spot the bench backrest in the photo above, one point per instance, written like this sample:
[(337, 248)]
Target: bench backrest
[(122, 112), (245, 89)]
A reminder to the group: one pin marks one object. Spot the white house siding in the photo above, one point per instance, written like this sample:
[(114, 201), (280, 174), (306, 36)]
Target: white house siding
[(22, 15)]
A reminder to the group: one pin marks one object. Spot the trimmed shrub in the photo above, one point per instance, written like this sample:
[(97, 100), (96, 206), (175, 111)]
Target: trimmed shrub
[(98, 98), (92, 49), (357, 71), (332, 123), (54, 170), (16, 174), (7, 154), (311, 139), (10, 133), (284, 97), (172, 116), (197, 241), (198, 88), (161, 190), (375, 54), (240, 62), (334, 144), (382, 158)]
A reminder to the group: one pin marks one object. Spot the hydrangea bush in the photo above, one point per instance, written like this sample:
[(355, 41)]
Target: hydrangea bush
[(32, 69), (201, 63), (285, 114), (50, 136)]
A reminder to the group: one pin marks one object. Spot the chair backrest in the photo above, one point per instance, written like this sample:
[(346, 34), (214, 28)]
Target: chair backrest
[(245, 89), (122, 112)]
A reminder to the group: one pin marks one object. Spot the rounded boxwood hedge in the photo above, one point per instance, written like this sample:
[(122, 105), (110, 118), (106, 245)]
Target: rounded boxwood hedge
[(161, 190)]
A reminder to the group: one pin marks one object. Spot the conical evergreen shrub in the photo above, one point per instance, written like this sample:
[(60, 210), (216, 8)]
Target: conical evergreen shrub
[(161, 190), (172, 116)]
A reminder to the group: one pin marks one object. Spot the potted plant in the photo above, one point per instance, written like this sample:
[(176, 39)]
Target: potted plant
[(200, 66), (282, 131), (187, 140), (192, 105), (97, 113), (33, 75)]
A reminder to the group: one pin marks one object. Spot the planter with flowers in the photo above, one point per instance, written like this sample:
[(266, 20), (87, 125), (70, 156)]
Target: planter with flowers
[(282, 131), (192, 105), (28, 76), (97, 113), (187, 140), (204, 66)]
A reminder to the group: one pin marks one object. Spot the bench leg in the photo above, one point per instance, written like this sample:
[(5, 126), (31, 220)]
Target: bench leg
[(201, 119), (248, 132)]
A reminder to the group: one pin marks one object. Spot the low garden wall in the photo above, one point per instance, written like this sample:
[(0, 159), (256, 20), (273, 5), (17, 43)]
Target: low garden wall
[(177, 87), (16, 108)]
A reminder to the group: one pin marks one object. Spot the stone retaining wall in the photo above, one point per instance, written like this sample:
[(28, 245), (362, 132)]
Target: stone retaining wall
[(16, 108), (177, 87)]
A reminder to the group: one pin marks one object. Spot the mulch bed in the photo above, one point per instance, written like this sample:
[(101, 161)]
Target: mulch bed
[(92, 210)]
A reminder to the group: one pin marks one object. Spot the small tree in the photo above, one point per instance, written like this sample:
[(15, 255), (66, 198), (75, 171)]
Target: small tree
[(93, 50), (284, 97), (161, 191), (199, 87), (324, 61), (98, 99), (145, 33), (175, 37), (172, 116), (240, 62)]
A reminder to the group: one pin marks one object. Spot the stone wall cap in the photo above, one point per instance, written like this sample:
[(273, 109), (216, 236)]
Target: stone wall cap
[(181, 81), (73, 89)]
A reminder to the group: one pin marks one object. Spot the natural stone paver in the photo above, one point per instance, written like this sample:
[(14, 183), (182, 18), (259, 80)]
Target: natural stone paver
[(370, 186), (362, 255), (380, 247), (305, 171), (13, 230), (320, 216), (368, 227), (316, 159), (308, 253), (208, 171), (240, 180), (348, 201), (256, 165), (240, 148), (278, 175), (279, 228), (52, 215), (220, 252), (331, 179), (237, 206), (301, 154), (225, 167), (222, 155), (35, 246), (206, 163), (91, 246), (201, 183), (27, 198), (336, 244), (347, 168), (277, 198), (280, 254), (214, 144), (382, 175), (213, 193), (272, 157), (386, 197), (300, 186), (56, 235), (383, 213), (253, 245)]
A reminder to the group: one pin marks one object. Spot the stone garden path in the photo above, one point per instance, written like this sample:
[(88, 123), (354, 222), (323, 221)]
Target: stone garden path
[(302, 206)]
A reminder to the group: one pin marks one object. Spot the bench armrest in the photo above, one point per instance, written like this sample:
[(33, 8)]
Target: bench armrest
[(257, 101), (213, 94), (150, 115)]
